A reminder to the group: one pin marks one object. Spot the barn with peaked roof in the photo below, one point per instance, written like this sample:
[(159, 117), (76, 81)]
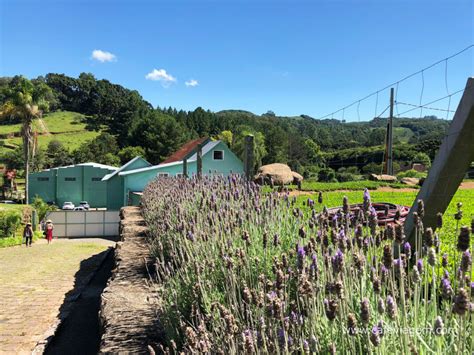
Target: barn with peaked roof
[(113, 188)]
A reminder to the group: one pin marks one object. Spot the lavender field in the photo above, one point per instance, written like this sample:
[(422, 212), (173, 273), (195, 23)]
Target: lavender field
[(240, 271)]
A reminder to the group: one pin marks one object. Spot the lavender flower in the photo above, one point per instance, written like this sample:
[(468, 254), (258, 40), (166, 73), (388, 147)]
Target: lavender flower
[(381, 306), (391, 308), (431, 256), (365, 311), (387, 256), (407, 250), (419, 265), (428, 237), (444, 260), (351, 324), (375, 336), (438, 326), (331, 306), (366, 203), (446, 288), (320, 197), (461, 302), (466, 261), (463, 239), (337, 261), (420, 209)]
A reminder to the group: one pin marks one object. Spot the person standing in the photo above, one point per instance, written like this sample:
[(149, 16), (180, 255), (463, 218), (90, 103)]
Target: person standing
[(28, 234), (49, 231)]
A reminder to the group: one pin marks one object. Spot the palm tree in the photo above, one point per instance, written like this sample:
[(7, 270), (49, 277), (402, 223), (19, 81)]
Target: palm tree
[(23, 103)]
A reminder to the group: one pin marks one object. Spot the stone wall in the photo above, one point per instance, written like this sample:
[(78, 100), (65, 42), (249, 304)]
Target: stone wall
[(129, 308)]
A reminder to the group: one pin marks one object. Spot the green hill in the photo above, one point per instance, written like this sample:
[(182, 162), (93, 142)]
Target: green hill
[(64, 126)]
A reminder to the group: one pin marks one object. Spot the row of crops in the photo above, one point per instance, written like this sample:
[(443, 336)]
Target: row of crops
[(240, 271)]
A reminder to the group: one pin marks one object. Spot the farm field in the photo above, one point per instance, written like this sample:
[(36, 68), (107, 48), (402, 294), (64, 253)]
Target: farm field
[(248, 272)]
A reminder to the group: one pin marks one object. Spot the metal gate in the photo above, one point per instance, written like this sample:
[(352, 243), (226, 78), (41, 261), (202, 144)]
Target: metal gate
[(85, 223)]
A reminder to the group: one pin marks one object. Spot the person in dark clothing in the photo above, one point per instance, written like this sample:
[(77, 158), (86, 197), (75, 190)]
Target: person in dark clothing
[(28, 234)]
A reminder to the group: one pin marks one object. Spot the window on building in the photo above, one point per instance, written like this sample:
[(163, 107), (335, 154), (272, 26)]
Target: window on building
[(179, 174), (43, 179), (70, 179), (96, 179), (163, 174), (218, 155)]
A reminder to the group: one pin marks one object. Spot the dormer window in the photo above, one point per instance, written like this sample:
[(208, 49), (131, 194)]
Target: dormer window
[(218, 155)]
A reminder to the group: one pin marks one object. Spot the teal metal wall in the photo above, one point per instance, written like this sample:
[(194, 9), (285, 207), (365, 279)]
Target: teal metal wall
[(116, 197), (75, 183), (137, 181)]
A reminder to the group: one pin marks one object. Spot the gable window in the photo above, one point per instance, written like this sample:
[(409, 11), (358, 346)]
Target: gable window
[(70, 179), (43, 179), (218, 155), (163, 174)]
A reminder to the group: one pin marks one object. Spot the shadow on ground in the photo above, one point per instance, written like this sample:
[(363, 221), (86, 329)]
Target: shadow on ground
[(80, 332)]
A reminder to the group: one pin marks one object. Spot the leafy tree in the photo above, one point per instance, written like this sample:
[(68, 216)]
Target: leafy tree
[(226, 137), (128, 153), (158, 134), (23, 101), (259, 151), (422, 158), (103, 149), (41, 207), (58, 155)]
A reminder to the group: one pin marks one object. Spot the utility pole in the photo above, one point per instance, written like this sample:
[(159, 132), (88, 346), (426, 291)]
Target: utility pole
[(389, 167)]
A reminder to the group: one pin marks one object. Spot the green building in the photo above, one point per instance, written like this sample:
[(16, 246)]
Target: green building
[(74, 183), (113, 188), (217, 158)]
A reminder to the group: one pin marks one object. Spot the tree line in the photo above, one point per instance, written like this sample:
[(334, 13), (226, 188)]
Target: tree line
[(131, 125)]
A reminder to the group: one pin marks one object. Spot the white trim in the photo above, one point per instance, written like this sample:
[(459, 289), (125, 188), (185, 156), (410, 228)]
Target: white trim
[(163, 174), (179, 174), (153, 167), (218, 150), (108, 176)]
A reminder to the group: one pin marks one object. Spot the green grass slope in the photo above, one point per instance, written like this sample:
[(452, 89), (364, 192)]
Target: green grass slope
[(66, 127)]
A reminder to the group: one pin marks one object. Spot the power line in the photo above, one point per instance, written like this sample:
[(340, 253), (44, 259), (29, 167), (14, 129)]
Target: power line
[(402, 80)]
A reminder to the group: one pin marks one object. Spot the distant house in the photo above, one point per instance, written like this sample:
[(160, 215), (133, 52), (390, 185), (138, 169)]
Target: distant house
[(217, 158), (113, 188)]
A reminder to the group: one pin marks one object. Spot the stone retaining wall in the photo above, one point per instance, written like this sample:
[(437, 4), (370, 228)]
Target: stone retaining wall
[(129, 306)]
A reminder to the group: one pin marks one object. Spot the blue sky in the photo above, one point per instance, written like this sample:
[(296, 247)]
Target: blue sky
[(292, 57)]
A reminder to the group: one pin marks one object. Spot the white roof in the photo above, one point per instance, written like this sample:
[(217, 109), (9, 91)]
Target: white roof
[(206, 149), (108, 176), (153, 167), (95, 165)]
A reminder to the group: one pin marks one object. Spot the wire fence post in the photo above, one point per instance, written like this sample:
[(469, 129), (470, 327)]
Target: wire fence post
[(199, 161), (249, 156), (390, 137)]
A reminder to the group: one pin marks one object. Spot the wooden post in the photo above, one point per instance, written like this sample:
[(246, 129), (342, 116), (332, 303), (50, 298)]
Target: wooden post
[(199, 161), (185, 168), (249, 156), (390, 137), (449, 166)]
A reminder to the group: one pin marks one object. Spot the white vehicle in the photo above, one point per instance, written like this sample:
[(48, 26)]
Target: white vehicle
[(84, 204), (79, 208), (68, 206)]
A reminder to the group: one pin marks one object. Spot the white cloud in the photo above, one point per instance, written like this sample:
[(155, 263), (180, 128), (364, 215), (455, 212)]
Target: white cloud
[(103, 56), (161, 75), (191, 83)]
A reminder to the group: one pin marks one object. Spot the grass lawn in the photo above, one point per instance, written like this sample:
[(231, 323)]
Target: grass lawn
[(448, 233), (64, 121), (350, 185)]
